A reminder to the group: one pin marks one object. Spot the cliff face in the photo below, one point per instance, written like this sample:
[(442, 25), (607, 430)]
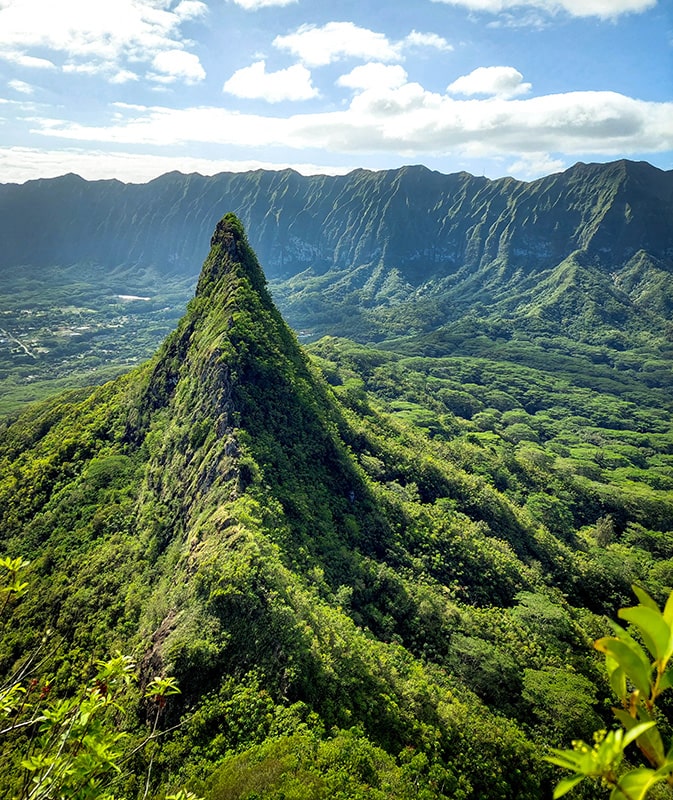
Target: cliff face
[(423, 223)]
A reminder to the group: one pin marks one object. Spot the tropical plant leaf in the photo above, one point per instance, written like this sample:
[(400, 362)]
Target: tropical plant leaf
[(565, 785), (656, 632), (635, 784), (644, 598), (632, 659)]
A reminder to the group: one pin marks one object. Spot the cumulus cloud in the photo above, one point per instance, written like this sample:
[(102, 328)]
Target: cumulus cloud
[(374, 76), (318, 46), (190, 9), (97, 37), (293, 83), (492, 81), (177, 65), (124, 76), (605, 9), (406, 120), (418, 39)]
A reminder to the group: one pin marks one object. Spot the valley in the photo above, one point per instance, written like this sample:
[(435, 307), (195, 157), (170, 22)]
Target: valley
[(56, 334), (581, 260), (368, 507)]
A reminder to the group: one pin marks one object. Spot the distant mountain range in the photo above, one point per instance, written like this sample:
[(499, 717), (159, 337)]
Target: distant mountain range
[(421, 222), (408, 258), (366, 239)]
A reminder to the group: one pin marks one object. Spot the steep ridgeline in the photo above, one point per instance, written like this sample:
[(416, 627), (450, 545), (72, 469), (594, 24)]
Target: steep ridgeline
[(359, 244), (351, 608), (232, 379)]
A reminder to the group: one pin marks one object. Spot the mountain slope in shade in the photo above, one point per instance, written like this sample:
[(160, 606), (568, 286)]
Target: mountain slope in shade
[(374, 239), (419, 221), (341, 597)]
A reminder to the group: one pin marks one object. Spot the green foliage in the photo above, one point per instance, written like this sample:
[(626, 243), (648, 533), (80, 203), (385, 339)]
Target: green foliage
[(11, 584), (68, 746), (77, 746), (379, 582), (638, 676), (345, 765)]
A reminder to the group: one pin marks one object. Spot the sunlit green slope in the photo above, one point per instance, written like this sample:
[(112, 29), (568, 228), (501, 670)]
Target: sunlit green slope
[(372, 576)]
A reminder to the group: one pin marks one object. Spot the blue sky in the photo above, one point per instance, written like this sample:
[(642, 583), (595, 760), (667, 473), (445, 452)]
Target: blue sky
[(135, 88)]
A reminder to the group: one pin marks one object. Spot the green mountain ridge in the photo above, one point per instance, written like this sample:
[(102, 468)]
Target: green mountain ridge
[(374, 574), (419, 221), (97, 273)]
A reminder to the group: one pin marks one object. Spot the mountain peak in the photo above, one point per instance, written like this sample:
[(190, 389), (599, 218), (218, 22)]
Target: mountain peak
[(230, 254), (232, 312), (239, 408)]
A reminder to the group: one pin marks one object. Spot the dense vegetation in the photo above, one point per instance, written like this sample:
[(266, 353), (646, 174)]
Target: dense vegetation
[(373, 572)]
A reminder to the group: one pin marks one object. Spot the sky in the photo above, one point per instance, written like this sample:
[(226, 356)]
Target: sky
[(131, 89)]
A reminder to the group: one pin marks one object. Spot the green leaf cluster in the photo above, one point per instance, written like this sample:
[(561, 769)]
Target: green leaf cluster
[(638, 676)]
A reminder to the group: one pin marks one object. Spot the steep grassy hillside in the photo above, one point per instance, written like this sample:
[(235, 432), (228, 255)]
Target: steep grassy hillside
[(372, 575)]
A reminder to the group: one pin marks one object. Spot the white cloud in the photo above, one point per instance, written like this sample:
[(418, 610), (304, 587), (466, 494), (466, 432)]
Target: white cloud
[(91, 68), (605, 9), (336, 40), (374, 76), (319, 46), (417, 39), (124, 76), (177, 65), (406, 120), (19, 164), (253, 5), (534, 165), (190, 9), (21, 86), (254, 82), (97, 37), (492, 81), (22, 60)]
